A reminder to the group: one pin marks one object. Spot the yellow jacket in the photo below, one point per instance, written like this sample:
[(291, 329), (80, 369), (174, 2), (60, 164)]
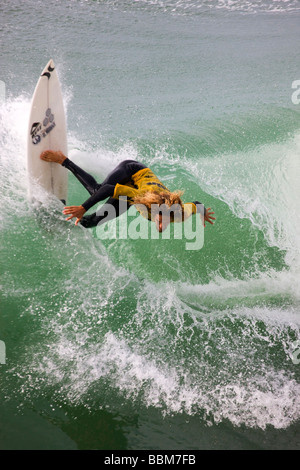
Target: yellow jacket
[(143, 181)]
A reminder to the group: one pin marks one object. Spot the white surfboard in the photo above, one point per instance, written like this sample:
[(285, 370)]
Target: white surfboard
[(47, 131)]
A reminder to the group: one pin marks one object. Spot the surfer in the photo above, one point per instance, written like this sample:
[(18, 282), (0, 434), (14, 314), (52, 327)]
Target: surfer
[(138, 185)]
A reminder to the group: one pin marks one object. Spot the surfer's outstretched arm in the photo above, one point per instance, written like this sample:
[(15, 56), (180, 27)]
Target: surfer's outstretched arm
[(103, 192), (78, 212)]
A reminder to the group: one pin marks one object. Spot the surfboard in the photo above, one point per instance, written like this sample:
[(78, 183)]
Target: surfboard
[(47, 131)]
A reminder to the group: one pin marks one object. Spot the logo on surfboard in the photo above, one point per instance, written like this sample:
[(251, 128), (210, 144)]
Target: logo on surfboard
[(48, 74), (42, 129)]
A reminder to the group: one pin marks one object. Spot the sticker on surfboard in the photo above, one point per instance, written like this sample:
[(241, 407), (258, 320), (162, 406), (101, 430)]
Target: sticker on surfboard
[(40, 130)]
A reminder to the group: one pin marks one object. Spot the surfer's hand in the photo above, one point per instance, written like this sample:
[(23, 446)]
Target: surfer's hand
[(208, 217), (75, 211)]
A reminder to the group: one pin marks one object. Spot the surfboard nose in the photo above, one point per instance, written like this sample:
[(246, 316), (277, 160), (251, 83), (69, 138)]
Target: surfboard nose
[(51, 64), (50, 67)]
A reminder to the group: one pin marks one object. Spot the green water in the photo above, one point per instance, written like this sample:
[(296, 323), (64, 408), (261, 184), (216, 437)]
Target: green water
[(143, 344)]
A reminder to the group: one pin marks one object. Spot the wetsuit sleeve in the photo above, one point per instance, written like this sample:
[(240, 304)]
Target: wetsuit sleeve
[(199, 209), (109, 190), (191, 208), (103, 192)]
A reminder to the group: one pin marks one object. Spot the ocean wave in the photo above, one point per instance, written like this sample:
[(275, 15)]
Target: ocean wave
[(102, 328)]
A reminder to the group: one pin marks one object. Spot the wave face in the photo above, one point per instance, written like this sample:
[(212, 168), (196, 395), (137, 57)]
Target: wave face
[(144, 332)]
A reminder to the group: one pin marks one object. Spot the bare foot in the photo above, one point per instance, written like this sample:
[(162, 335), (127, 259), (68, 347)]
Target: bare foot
[(53, 156)]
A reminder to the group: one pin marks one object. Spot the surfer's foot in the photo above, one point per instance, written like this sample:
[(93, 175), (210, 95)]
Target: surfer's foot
[(53, 156)]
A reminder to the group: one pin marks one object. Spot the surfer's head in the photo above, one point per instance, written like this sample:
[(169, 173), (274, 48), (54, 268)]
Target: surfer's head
[(163, 207)]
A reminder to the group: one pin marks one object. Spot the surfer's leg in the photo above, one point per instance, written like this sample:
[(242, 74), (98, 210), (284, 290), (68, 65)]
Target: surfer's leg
[(123, 172), (87, 180), (110, 210)]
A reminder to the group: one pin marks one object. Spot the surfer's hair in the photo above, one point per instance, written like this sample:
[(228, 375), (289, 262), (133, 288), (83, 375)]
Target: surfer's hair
[(161, 199)]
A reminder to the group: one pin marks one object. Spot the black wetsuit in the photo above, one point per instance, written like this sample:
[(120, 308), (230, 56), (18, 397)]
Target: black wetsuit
[(120, 175)]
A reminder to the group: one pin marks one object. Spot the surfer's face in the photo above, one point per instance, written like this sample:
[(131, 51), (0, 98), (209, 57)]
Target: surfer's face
[(161, 222)]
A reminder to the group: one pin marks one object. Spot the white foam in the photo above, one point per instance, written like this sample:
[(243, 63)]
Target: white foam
[(13, 176), (270, 397)]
